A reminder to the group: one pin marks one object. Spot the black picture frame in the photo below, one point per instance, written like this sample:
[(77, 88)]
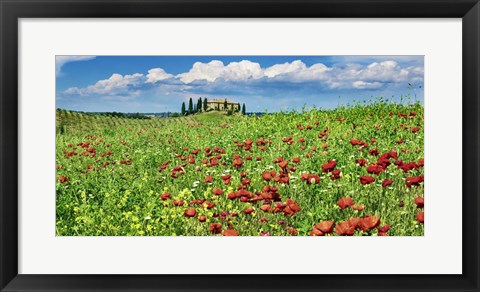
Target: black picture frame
[(12, 10)]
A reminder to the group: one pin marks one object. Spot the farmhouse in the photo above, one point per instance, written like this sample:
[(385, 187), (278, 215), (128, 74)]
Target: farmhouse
[(219, 104)]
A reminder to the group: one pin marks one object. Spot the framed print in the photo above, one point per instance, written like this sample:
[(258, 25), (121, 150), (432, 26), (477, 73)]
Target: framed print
[(137, 138)]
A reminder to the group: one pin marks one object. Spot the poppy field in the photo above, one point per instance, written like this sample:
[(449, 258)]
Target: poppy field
[(354, 170)]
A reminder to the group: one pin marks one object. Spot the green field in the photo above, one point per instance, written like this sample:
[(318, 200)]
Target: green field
[(290, 173)]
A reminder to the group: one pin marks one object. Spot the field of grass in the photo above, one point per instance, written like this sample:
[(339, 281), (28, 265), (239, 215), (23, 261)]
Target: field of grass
[(355, 170)]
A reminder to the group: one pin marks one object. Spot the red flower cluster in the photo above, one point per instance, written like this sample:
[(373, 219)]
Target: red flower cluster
[(356, 142), (365, 180), (414, 181), (191, 212), (345, 202), (310, 178), (329, 166), (322, 228), (366, 223)]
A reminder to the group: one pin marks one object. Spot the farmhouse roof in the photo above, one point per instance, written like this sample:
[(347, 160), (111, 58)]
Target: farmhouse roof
[(221, 100)]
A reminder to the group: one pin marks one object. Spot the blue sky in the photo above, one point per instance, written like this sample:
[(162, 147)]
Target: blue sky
[(162, 83)]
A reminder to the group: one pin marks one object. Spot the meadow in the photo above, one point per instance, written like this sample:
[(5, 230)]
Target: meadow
[(353, 170)]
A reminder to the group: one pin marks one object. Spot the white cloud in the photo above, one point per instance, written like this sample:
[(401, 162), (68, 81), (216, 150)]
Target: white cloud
[(157, 74), (278, 69), (115, 85), (346, 76), (366, 85), (242, 71), (201, 71), (216, 76), (62, 60), (235, 71)]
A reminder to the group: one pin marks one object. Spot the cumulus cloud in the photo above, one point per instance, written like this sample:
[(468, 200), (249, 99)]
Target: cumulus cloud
[(342, 76), (62, 60), (365, 85), (116, 85), (278, 69), (245, 76), (235, 71), (157, 74)]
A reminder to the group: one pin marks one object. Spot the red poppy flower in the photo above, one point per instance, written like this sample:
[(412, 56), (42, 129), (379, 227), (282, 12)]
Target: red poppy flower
[(393, 154), (354, 221), (325, 226), (266, 208), (420, 217), (293, 205), (296, 160), (63, 179), (421, 162), (344, 228), (310, 178), (375, 168), (225, 177), (368, 222), (373, 152), (387, 183), (316, 232), (191, 212), (292, 231), (266, 176), (406, 167), (249, 210), (419, 201), (358, 207), (217, 191), (384, 228), (237, 163), (329, 166), (365, 180), (178, 203), (208, 205), (208, 179), (356, 142), (283, 164), (345, 202), (263, 220), (413, 181), (202, 218), (414, 130), (230, 232), (215, 228), (361, 161), (335, 174), (165, 196)]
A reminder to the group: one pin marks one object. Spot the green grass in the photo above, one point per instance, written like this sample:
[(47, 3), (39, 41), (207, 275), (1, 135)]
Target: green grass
[(108, 195)]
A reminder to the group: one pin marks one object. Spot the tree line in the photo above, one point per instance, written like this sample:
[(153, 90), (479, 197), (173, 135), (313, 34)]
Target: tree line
[(202, 106)]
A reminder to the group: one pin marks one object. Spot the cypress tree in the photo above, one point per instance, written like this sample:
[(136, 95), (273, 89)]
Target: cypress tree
[(183, 108), (190, 106), (199, 105), (225, 105), (205, 106), (243, 109)]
